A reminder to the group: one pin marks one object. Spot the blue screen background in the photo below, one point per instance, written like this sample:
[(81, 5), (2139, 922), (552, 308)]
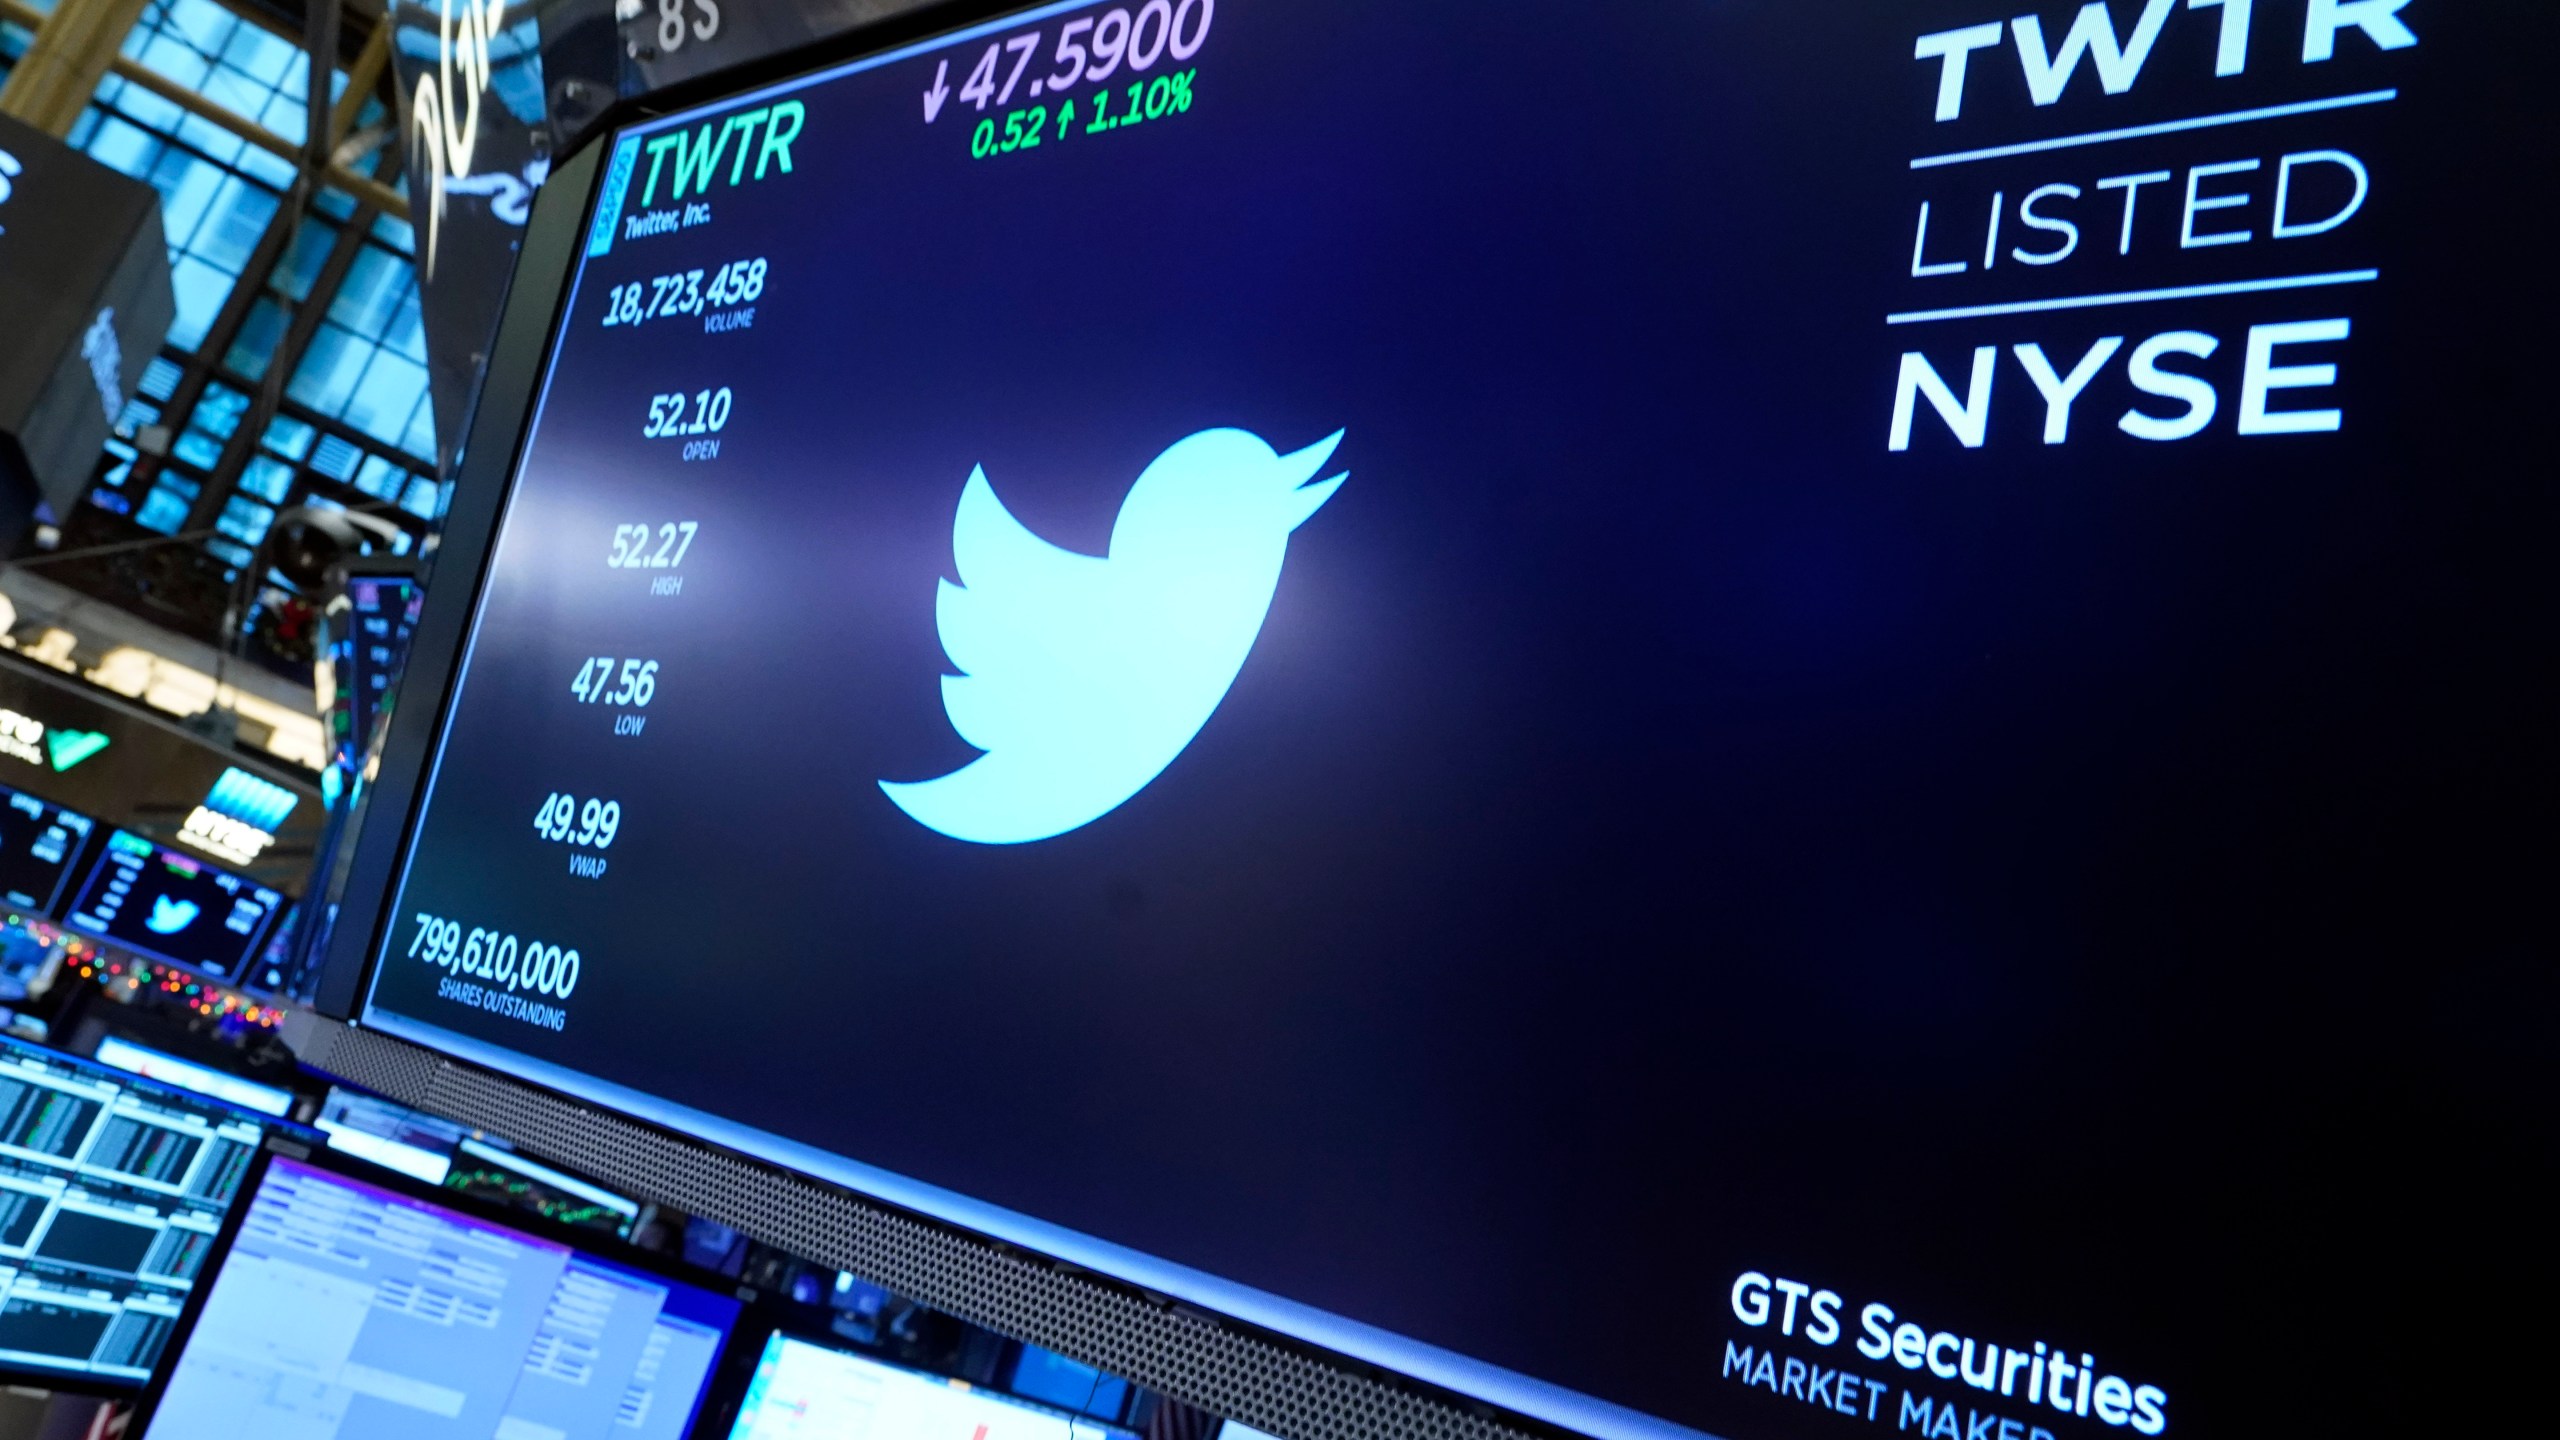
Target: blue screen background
[(1659, 831)]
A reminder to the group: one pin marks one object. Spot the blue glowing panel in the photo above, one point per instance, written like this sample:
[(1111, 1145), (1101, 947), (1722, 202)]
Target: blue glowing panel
[(39, 844), (244, 797), (158, 902)]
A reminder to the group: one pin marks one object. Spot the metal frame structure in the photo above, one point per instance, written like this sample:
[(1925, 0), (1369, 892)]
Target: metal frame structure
[(189, 576), (45, 66)]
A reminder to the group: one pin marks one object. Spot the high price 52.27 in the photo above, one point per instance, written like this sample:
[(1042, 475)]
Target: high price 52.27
[(641, 547)]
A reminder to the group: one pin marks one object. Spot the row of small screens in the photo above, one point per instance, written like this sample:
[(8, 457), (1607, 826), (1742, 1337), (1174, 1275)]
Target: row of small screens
[(114, 1183), (349, 1306), (113, 1192), (135, 894), (349, 1301)]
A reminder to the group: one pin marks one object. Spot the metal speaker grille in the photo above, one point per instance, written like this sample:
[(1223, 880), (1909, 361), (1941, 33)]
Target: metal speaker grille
[(1201, 1361)]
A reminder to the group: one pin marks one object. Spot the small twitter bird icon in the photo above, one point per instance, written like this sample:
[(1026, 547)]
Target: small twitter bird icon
[(169, 915), (1082, 677)]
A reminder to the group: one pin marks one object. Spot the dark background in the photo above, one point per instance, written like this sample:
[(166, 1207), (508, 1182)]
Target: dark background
[(2065, 893)]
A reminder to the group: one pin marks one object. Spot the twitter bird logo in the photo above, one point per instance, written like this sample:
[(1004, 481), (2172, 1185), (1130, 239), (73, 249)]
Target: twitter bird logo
[(170, 915), (1082, 677)]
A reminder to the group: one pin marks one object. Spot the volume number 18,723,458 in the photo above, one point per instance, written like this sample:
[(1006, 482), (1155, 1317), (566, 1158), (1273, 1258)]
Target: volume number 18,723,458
[(687, 292)]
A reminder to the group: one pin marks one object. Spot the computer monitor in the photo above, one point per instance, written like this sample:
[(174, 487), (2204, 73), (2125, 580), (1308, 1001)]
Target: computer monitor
[(152, 899), (31, 953), (352, 1302), (802, 1390), (392, 1136), (382, 614), (497, 1174), (1048, 1376), (39, 843), (119, 1053), (112, 1191)]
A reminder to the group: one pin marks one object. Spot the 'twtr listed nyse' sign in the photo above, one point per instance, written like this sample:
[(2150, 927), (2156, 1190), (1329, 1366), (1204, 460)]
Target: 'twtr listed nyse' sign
[(2134, 216)]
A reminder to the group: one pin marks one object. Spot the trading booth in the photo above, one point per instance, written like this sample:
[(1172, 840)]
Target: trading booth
[(1388, 718)]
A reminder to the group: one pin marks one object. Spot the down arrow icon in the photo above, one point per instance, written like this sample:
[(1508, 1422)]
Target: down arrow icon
[(940, 92)]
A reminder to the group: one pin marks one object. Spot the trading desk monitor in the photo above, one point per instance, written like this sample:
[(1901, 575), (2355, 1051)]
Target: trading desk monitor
[(806, 1391), (393, 1136), (39, 843), (111, 1194), (504, 1177), (31, 953), (123, 1054), (159, 902), (346, 1308), (1600, 702)]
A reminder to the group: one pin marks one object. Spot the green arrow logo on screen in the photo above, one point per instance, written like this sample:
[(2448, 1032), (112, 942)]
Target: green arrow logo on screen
[(70, 747)]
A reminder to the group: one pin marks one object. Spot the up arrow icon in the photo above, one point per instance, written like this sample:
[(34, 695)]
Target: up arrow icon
[(940, 92)]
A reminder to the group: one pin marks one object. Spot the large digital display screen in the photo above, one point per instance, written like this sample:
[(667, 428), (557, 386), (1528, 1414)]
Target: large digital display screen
[(1704, 715), (39, 842), (157, 901)]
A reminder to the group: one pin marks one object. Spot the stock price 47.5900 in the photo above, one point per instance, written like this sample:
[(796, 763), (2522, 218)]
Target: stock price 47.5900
[(1089, 52)]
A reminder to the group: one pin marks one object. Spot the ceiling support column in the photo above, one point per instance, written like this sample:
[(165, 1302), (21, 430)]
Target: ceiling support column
[(52, 83)]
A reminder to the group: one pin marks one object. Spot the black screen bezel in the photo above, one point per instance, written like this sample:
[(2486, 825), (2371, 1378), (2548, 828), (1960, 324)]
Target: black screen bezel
[(527, 335)]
